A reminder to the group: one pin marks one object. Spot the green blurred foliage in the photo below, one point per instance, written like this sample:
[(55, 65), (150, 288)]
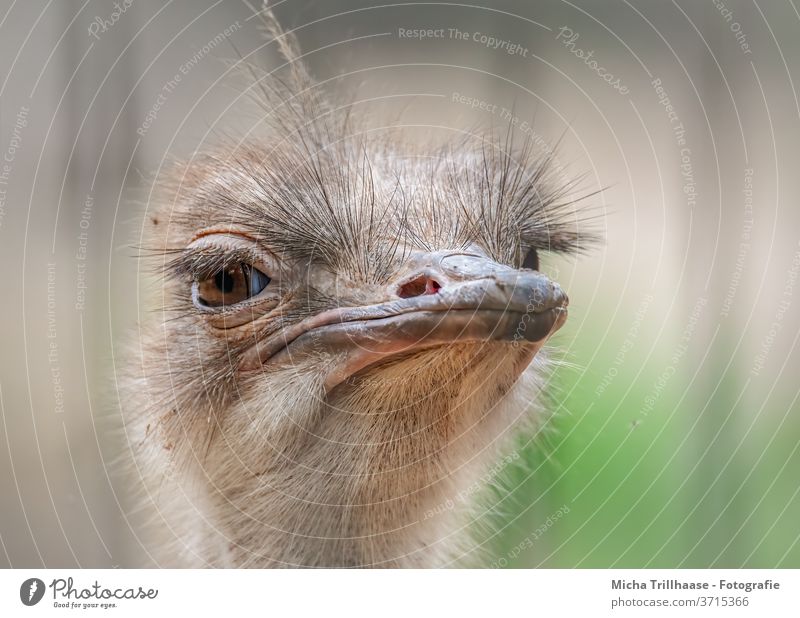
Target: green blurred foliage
[(699, 481)]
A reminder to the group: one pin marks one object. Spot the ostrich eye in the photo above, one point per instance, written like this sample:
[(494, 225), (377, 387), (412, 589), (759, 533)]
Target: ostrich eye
[(531, 260), (232, 285)]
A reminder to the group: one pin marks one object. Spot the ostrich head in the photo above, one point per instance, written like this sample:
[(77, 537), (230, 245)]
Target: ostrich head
[(351, 328)]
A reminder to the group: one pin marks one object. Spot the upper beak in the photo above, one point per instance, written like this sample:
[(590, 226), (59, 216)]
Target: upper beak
[(441, 298)]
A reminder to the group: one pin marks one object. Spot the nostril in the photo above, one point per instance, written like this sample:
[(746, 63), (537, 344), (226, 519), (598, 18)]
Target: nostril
[(419, 286), (432, 286)]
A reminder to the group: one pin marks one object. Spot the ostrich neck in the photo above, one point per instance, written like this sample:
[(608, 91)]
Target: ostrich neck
[(362, 496), (374, 477)]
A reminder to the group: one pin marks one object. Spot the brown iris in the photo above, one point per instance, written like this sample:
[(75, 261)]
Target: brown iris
[(232, 285)]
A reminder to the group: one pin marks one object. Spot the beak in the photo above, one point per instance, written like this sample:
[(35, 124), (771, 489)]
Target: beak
[(442, 298)]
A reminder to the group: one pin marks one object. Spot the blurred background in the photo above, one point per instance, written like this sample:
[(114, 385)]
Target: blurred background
[(675, 438)]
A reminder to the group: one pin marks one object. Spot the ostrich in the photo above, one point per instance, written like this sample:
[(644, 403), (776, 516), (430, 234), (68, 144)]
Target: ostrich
[(351, 330)]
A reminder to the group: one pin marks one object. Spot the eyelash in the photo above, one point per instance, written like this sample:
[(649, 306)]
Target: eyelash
[(200, 264)]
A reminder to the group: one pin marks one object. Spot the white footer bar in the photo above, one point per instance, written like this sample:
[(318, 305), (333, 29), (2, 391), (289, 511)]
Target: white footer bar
[(589, 593)]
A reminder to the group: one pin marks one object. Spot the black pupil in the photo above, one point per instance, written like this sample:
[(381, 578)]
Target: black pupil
[(531, 260), (224, 282)]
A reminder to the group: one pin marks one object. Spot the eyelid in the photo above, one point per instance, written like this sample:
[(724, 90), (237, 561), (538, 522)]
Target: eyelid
[(227, 240), (211, 253), (221, 231)]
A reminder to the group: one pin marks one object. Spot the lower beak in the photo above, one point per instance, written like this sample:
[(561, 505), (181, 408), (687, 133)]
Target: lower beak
[(448, 298)]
